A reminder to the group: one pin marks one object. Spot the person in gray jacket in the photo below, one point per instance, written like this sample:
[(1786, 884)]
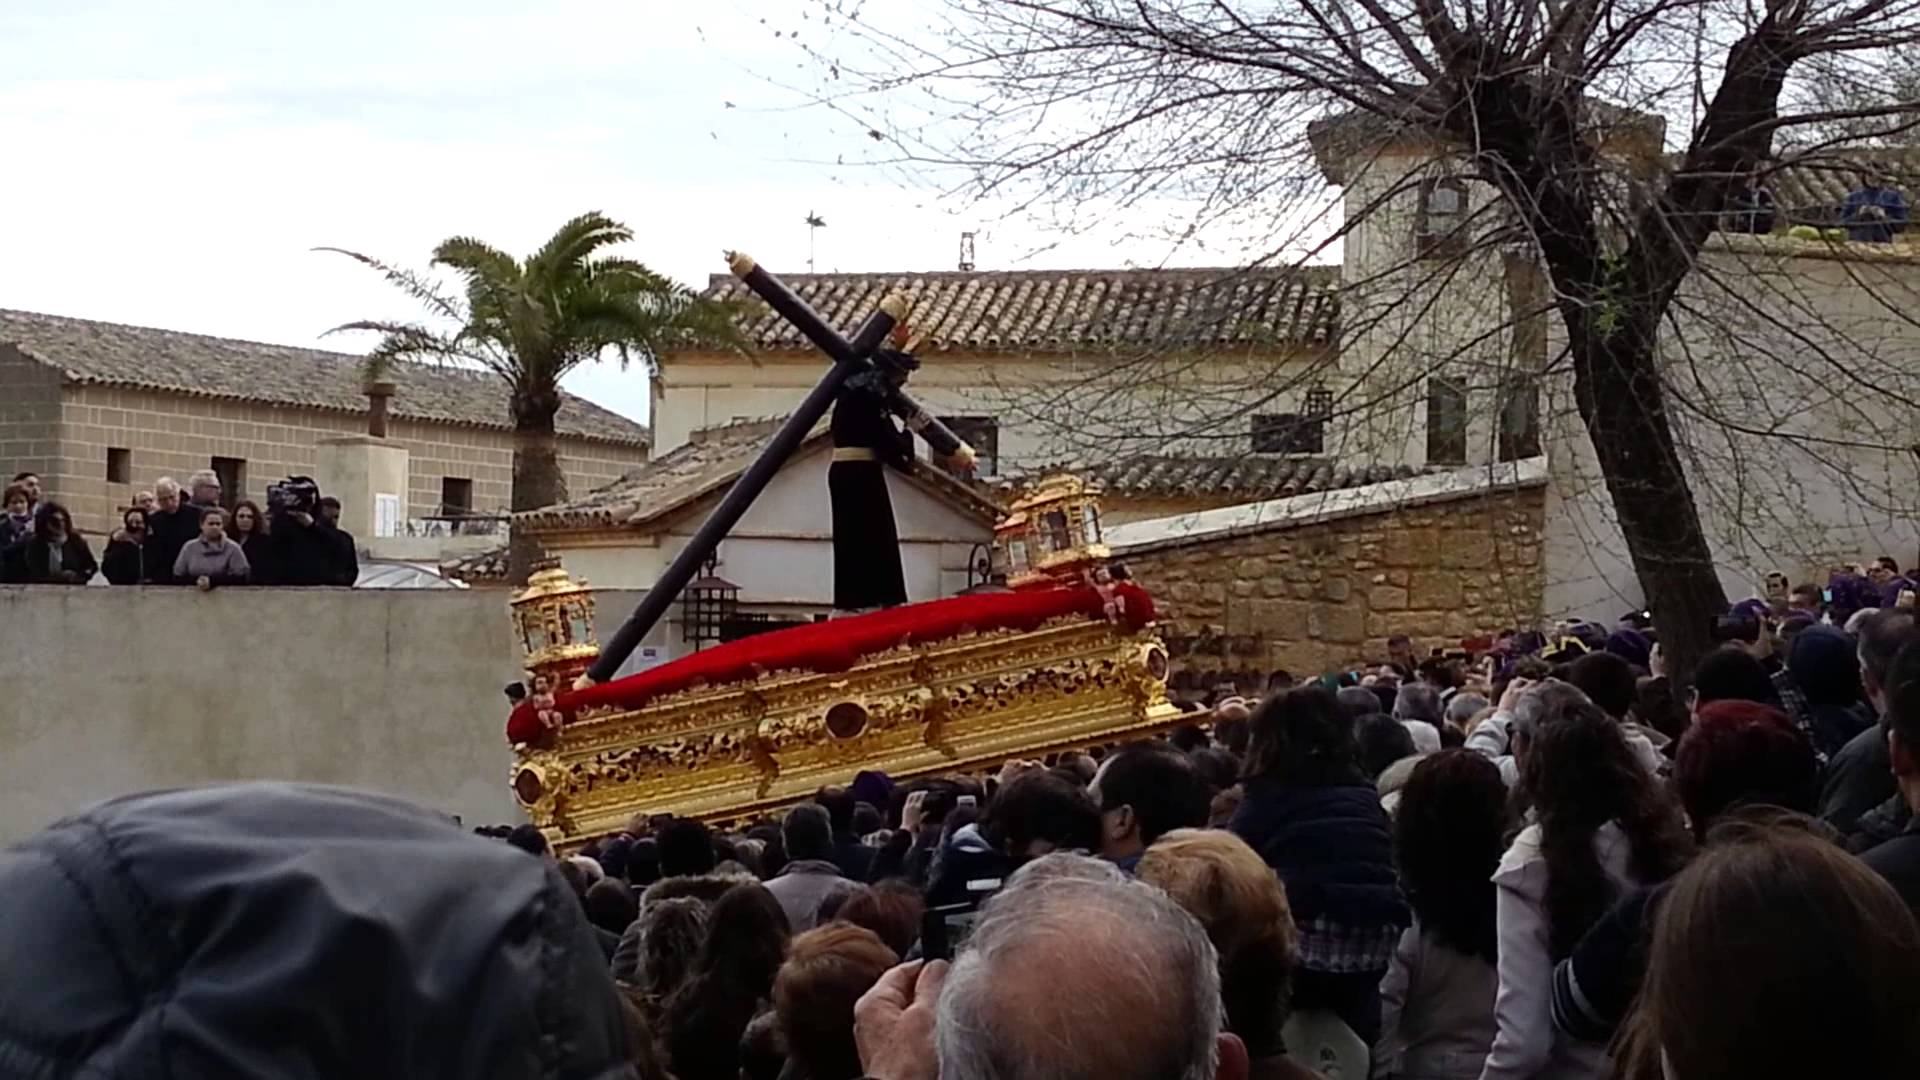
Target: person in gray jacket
[(267, 931), (212, 559), (811, 875)]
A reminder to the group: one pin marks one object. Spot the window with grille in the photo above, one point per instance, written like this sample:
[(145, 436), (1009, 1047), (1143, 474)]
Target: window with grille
[(1289, 433), (1519, 435), (1440, 227), (983, 434), (1446, 422)]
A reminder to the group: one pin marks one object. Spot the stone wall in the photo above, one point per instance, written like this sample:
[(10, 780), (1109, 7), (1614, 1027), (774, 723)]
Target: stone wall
[(173, 435), (30, 421), (1325, 596), (116, 690)]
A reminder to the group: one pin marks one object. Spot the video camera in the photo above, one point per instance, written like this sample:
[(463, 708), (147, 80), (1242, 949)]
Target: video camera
[(295, 494)]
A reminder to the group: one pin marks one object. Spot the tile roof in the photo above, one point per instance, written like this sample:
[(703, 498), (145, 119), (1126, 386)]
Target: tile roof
[(712, 460), (175, 362), (1811, 192), (1066, 310), (485, 568), (1244, 477)]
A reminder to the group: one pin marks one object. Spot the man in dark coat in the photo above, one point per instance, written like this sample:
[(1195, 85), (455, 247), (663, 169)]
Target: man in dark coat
[(1859, 779), (172, 523), (279, 930), (866, 441), (1898, 859)]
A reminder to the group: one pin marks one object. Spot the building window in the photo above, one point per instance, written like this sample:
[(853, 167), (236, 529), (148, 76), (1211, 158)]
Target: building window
[(119, 465), (983, 434), (1440, 227), (1289, 433), (1519, 418), (1446, 422), (456, 496), (232, 472)]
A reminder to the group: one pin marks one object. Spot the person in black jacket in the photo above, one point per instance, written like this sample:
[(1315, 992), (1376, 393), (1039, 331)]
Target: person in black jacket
[(1898, 859), (1315, 819), (249, 530), (344, 566), (169, 527), (1034, 813), (854, 858), (221, 931), (53, 555), (125, 560)]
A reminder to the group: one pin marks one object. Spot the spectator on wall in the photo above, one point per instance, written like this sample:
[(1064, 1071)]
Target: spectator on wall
[(53, 555), (203, 489), (346, 560), (16, 525), (30, 480), (125, 560), (169, 527), (249, 530), (1875, 212), (212, 559)]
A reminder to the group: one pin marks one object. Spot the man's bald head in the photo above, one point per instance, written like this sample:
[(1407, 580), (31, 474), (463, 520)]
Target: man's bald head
[(1077, 971)]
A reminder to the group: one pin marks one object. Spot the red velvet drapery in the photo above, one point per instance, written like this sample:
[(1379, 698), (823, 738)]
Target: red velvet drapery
[(839, 644)]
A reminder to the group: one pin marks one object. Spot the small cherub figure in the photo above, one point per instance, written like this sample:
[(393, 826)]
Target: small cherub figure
[(1115, 605), (544, 708)]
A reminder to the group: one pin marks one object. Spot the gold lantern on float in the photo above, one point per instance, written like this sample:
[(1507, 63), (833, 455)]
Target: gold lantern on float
[(1052, 534), (553, 620)]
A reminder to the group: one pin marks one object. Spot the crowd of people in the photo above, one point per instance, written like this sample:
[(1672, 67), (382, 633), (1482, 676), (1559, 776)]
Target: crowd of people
[(1542, 861), (176, 535)]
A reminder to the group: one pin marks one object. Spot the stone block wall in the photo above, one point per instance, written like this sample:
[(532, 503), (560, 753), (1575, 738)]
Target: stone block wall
[(1326, 596), (173, 435), (30, 421)]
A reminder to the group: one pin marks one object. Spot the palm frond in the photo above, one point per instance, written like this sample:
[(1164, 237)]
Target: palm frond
[(415, 286), (473, 259), (573, 242)]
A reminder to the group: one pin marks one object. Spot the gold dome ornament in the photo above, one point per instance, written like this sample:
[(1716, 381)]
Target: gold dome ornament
[(553, 621), (1052, 534)]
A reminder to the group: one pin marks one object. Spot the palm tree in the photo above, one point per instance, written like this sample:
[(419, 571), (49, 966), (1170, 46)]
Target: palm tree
[(530, 322)]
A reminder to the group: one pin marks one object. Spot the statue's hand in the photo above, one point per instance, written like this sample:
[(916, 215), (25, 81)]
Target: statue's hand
[(584, 682)]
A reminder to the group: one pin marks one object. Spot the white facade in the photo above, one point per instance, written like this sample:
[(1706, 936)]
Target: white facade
[(781, 551)]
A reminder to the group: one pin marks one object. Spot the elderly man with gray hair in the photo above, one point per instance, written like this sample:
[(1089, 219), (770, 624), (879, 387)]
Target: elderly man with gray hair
[(171, 525), (1073, 971)]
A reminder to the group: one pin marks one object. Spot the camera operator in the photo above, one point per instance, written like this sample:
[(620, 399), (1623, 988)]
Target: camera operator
[(305, 544)]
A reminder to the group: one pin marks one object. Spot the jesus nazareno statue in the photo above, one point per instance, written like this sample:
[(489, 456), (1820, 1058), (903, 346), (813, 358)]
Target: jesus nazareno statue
[(867, 440)]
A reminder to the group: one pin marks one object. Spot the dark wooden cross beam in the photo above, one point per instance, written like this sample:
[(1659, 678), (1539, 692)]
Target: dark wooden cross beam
[(849, 358)]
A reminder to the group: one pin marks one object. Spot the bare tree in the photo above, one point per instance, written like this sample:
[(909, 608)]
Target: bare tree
[(1615, 137)]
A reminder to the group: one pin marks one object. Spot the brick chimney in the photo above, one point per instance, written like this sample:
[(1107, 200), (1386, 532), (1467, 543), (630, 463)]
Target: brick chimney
[(379, 394)]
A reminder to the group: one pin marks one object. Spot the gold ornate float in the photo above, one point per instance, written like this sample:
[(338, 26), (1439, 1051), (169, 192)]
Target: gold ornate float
[(1064, 660)]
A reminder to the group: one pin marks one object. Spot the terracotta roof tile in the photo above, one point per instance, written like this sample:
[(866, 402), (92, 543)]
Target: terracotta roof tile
[(712, 460), (1066, 310), (1811, 193), (1246, 477), (486, 568), (181, 363)]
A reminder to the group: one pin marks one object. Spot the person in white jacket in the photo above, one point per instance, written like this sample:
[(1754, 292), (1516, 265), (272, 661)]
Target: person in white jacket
[(1600, 825)]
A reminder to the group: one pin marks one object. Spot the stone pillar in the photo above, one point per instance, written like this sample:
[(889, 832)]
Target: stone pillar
[(369, 476)]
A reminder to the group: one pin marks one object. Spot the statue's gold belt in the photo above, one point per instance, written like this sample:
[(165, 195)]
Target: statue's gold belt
[(854, 453)]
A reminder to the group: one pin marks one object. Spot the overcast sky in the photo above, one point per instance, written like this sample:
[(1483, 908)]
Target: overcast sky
[(172, 164)]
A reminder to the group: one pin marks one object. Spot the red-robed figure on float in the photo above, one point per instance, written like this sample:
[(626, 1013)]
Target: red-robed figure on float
[(1049, 549)]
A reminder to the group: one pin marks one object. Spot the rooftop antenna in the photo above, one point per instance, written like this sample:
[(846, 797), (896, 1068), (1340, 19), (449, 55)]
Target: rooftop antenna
[(966, 251), (814, 223)]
